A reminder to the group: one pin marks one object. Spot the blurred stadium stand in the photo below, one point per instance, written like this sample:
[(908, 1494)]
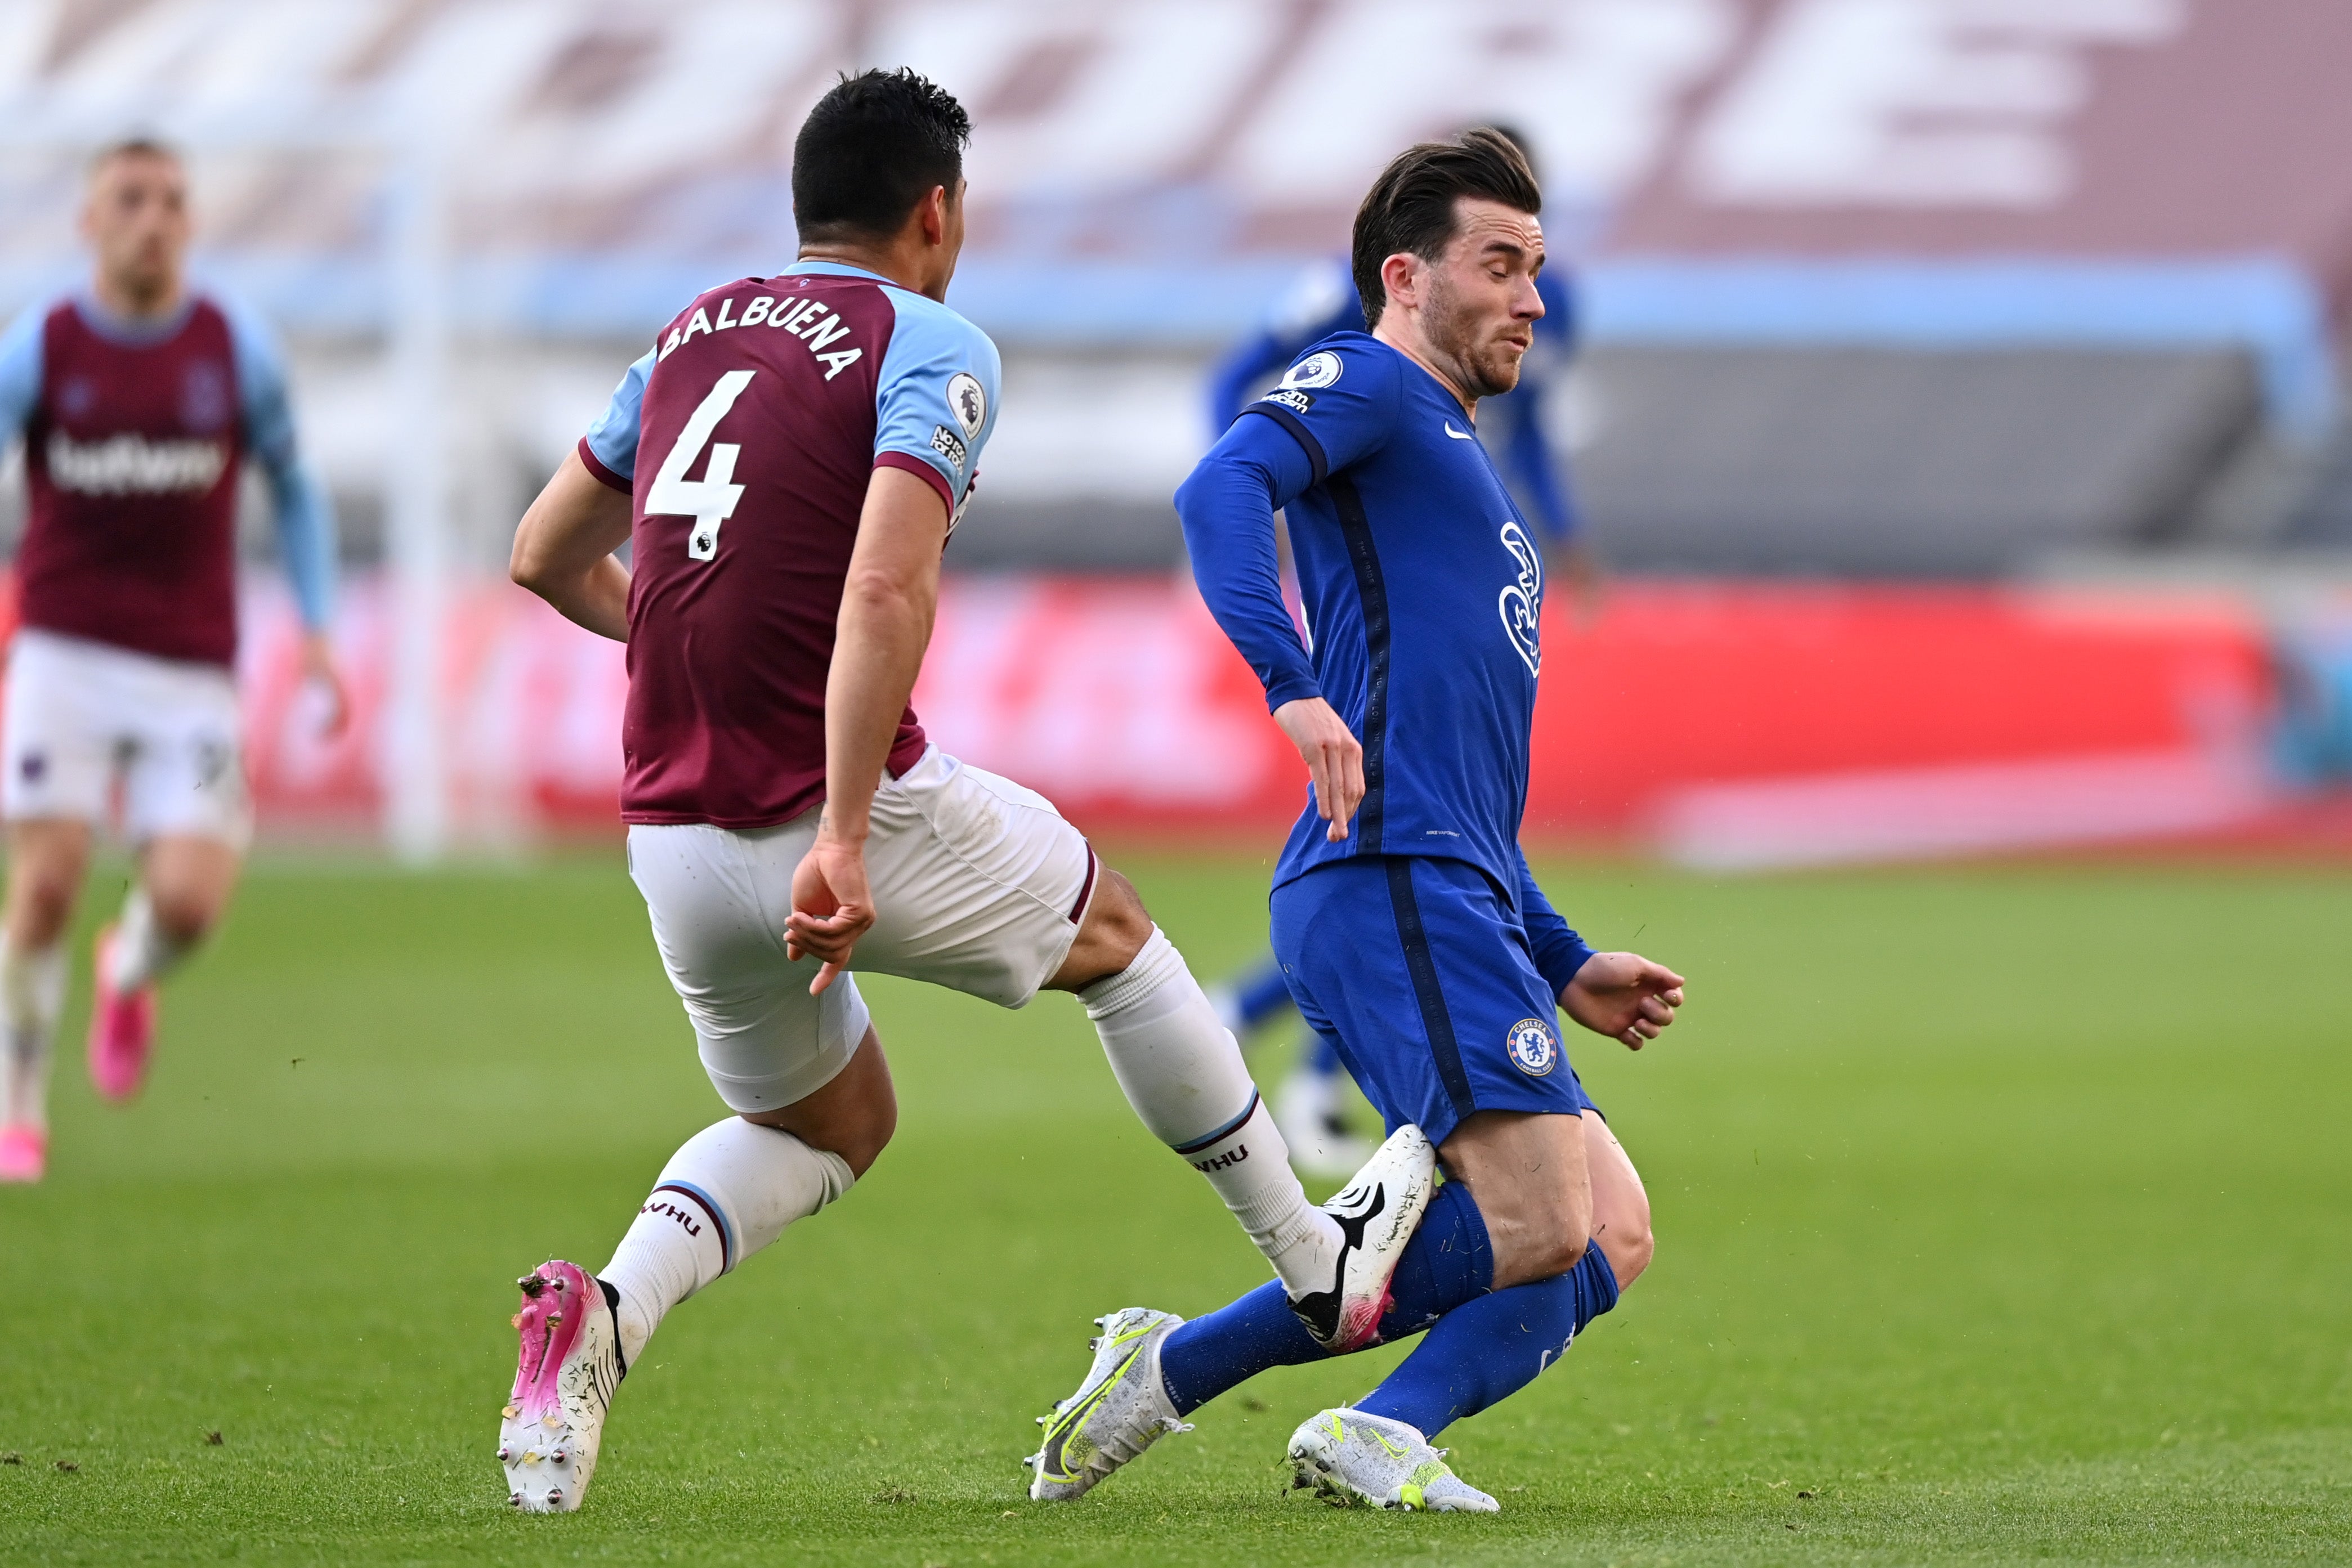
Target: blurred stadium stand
[(1882, 462), (1874, 287)]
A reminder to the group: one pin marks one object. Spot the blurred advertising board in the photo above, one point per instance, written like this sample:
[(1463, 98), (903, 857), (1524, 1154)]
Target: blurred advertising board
[(1726, 724)]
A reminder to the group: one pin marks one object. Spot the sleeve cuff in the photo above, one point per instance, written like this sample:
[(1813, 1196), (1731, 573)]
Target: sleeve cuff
[(604, 476), (1563, 968), (911, 464), (1289, 689)]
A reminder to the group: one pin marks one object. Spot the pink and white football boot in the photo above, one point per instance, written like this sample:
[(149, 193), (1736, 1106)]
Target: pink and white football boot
[(564, 1379), (122, 1028), (23, 1153)]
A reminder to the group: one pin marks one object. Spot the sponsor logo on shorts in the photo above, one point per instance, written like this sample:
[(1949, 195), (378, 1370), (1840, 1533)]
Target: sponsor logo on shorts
[(1533, 1049)]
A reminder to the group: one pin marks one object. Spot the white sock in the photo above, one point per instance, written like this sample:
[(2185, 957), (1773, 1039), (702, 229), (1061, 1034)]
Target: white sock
[(32, 998), (728, 1191), (1184, 1073), (143, 952)]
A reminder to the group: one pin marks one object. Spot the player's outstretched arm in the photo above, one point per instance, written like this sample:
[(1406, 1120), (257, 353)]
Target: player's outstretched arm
[(563, 549), (887, 602)]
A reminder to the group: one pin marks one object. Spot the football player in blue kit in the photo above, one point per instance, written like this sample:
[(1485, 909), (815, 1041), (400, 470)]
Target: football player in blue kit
[(1406, 920), (1308, 1105)]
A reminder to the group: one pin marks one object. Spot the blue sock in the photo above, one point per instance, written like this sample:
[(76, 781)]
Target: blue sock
[(1446, 1263), (1323, 1060), (1261, 996), (1492, 1347)]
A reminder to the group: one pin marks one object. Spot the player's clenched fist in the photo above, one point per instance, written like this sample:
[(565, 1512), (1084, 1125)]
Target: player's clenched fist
[(1334, 758), (1625, 996)]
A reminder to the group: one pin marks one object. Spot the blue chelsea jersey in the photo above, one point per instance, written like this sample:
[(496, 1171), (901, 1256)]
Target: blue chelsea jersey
[(1423, 586)]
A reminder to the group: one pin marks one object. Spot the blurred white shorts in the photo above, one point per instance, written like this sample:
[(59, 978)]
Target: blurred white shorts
[(979, 885), (81, 714)]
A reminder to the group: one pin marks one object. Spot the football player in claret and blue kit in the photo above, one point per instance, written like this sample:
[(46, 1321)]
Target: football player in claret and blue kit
[(786, 464), (1410, 929), (139, 399)]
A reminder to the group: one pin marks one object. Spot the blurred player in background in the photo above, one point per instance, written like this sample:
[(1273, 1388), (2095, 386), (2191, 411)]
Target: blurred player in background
[(1309, 1105), (139, 399), (788, 820), (1411, 929)]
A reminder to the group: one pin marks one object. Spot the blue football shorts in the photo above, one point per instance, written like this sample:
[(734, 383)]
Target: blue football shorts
[(1421, 975)]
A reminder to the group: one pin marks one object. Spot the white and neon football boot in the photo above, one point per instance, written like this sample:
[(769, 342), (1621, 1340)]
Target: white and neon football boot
[(565, 1374), (1349, 1457), (1117, 1412), (1378, 1213)]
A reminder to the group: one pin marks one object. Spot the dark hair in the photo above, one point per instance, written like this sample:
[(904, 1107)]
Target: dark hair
[(871, 149), (134, 146), (1411, 206), (1518, 139)]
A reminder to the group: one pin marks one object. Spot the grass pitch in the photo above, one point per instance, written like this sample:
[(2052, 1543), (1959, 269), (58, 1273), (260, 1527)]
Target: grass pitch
[(2003, 1215)]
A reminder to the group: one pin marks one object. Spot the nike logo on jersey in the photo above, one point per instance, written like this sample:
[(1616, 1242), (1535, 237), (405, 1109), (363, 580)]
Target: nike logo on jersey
[(1458, 434)]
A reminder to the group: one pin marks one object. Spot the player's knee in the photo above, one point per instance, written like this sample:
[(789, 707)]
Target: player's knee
[(185, 916), (1560, 1247), (1116, 927), (41, 903), (1124, 924), (1629, 1245)]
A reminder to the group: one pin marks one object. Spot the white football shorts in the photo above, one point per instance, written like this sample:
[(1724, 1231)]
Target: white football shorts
[(979, 885), (81, 715)]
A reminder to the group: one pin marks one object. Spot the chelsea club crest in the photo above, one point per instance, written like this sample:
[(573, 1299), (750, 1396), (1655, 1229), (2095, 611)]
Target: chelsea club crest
[(1533, 1049)]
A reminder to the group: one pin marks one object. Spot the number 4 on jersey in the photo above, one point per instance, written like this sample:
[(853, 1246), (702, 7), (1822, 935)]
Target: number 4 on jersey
[(709, 500)]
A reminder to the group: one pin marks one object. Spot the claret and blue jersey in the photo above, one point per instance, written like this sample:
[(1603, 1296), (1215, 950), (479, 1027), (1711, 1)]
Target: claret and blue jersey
[(746, 438), (134, 433)]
